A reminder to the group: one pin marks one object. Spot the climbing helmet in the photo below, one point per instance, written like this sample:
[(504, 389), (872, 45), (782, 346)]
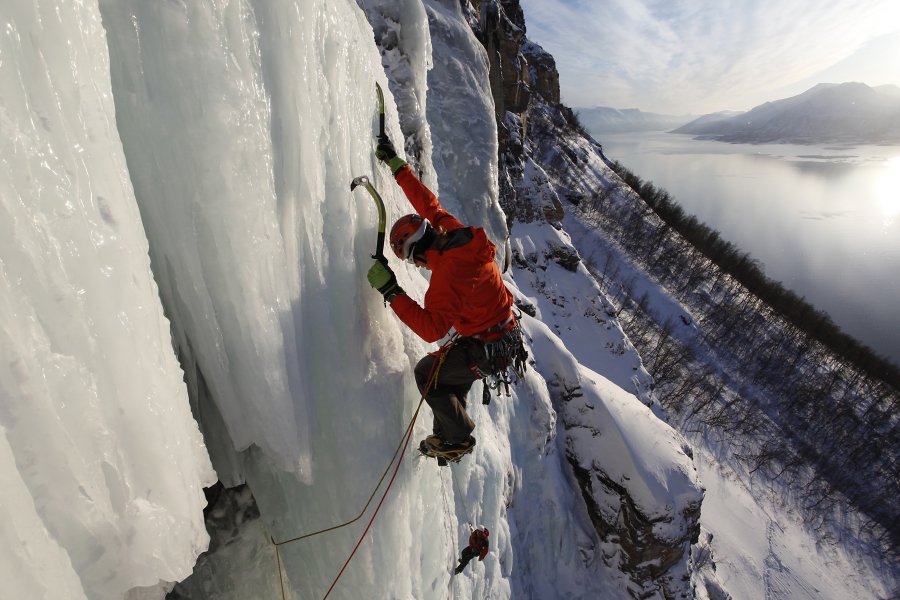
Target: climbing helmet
[(408, 230)]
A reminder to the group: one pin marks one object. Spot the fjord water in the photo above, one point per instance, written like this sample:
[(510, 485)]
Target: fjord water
[(823, 220)]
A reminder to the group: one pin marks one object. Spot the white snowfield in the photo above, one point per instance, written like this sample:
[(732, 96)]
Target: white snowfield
[(217, 142)]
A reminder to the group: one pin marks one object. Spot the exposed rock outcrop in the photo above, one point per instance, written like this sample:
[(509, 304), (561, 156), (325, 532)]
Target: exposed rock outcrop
[(519, 67), (649, 543)]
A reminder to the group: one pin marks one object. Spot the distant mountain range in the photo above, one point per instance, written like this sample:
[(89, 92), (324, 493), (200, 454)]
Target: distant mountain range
[(828, 112), (603, 119)]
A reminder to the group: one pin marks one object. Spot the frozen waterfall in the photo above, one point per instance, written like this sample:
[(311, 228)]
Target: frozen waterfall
[(102, 463)]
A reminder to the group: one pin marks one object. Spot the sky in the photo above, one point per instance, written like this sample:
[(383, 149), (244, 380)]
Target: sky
[(700, 56)]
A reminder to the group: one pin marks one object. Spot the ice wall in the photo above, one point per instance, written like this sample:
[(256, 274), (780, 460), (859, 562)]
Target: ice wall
[(243, 124), (402, 36), (231, 244), (101, 464), (450, 132)]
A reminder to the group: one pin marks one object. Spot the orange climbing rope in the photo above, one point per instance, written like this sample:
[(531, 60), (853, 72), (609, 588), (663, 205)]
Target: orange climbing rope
[(401, 448), (374, 514)]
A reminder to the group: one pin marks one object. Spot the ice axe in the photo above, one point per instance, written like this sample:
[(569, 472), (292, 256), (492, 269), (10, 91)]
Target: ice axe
[(362, 180)]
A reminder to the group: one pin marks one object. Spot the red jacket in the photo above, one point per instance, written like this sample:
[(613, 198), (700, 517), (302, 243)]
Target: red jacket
[(466, 291), (478, 542)]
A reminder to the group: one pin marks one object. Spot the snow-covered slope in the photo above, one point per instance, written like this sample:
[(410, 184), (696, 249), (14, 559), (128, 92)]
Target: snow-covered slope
[(241, 127), (757, 540), (827, 112)]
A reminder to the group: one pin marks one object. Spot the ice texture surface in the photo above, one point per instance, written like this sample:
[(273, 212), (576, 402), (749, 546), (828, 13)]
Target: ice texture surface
[(101, 463), (230, 253), (404, 41), (463, 125)]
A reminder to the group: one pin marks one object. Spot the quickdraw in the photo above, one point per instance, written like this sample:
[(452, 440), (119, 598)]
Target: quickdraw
[(504, 346)]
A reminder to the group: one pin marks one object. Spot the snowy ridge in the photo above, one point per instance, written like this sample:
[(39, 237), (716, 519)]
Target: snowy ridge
[(595, 378)]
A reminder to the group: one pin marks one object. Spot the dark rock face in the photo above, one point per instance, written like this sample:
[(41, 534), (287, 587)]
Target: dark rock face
[(565, 256), (519, 67), (232, 517), (646, 558), (653, 550), (522, 75), (501, 37), (544, 77)]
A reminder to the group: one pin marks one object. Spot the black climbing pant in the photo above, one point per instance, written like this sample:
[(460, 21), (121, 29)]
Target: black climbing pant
[(467, 555), (448, 398)]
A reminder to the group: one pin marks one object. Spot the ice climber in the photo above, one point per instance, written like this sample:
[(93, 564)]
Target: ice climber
[(478, 546), (466, 292)]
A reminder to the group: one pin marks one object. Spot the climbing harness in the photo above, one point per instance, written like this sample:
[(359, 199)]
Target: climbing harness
[(504, 346)]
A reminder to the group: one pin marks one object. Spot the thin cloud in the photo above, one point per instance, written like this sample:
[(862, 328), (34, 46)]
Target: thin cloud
[(697, 55)]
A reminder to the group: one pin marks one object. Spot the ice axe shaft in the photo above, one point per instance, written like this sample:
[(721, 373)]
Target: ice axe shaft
[(362, 180), (380, 109)]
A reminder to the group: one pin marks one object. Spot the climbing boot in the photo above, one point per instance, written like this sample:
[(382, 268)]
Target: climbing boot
[(435, 447)]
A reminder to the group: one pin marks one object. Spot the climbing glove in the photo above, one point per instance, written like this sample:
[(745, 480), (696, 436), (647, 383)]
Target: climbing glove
[(385, 149), (383, 279), (385, 152)]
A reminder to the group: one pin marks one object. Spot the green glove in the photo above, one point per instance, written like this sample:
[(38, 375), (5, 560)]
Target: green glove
[(383, 279), (385, 152)]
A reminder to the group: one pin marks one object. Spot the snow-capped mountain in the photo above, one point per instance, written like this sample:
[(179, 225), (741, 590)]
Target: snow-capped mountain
[(851, 112), (604, 119)]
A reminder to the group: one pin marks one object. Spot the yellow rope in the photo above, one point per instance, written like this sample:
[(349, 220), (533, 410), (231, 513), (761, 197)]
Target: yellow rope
[(280, 577), (433, 380), (442, 356)]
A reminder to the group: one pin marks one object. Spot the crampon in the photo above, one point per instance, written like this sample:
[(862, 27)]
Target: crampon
[(433, 447)]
